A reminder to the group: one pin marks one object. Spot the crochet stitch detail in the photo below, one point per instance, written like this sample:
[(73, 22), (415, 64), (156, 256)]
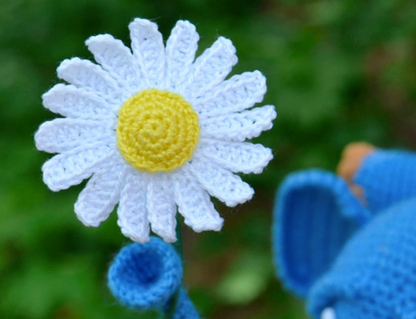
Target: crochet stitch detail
[(149, 277), (157, 131), (387, 176), (314, 216), (374, 275)]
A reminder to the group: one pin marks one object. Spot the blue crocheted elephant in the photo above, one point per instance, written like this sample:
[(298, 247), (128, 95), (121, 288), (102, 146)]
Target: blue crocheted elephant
[(350, 258)]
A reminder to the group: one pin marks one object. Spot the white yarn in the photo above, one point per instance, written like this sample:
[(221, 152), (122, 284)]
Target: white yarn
[(148, 50), (236, 94), (221, 183), (92, 78), (238, 126), (118, 61), (181, 48), (72, 167), (77, 103), (236, 156), (210, 69), (63, 135), (132, 212), (328, 313), (194, 202), (102, 192), (161, 206), (87, 144)]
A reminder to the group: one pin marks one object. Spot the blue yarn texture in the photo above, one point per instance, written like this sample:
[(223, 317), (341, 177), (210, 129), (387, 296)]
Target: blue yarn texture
[(374, 276), (314, 215), (149, 276), (387, 177)]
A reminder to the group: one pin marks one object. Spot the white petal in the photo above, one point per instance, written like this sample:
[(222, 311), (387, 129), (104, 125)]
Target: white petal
[(180, 53), (132, 215), (235, 156), (72, 167), (194, 203), (91, 77), (74, 102), (161, 207), (62, 135), (221, 183), (239, 126), (147, 45), (210, 69), (238, 93), (101, 194), (117, 59)]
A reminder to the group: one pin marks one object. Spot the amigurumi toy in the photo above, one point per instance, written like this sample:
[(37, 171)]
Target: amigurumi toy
[(322, 223), (374, 277)]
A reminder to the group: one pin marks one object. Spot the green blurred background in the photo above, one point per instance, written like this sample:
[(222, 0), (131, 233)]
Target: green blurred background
[(338, 71)]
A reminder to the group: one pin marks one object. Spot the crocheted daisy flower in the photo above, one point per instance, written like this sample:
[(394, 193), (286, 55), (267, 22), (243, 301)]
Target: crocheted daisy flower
[(156, 130)]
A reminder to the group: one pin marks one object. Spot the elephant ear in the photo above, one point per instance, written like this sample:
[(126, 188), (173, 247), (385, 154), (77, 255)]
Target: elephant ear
[(374, 276), (315, 213)]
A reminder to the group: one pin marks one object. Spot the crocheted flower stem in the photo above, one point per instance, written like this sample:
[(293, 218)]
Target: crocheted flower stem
[(178, 245), (184, 308), (170, 312)]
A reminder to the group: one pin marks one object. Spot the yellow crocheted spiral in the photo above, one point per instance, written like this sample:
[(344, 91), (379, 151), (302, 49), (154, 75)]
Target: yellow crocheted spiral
[(157, 131)]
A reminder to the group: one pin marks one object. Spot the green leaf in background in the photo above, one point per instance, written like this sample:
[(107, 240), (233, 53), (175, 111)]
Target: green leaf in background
[(246, 279)]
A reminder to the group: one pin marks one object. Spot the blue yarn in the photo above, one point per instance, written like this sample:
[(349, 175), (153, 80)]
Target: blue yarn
[(314, 215), (148, 276), (375, 274), (185, 308), (387, 177)]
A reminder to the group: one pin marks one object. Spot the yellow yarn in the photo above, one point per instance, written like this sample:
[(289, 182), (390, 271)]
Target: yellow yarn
[(157, 131)]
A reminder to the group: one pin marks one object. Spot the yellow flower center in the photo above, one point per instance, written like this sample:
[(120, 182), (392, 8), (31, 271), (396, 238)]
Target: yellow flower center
[(157, 131)]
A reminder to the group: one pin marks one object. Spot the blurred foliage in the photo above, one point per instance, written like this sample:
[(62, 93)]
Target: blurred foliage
[(338, 71)]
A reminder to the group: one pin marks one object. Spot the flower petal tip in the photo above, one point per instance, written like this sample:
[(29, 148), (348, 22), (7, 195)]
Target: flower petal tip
[(228, 45), (186, 24), (214, 224), (142, 23), (93, 40)]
